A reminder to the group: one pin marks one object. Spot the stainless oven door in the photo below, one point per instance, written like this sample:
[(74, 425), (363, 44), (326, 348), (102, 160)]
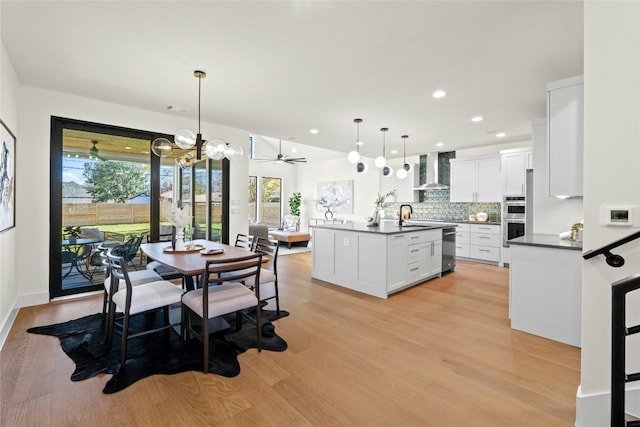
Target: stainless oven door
[(512, 228)]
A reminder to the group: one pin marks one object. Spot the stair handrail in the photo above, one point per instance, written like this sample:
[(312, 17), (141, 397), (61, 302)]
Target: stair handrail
[(619, 332), (612, 260)]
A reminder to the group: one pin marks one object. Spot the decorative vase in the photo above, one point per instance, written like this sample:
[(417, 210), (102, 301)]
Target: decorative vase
[(179, 239), (328, 214)]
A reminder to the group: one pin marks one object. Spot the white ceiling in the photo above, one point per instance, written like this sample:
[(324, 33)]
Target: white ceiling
[(281, 68)]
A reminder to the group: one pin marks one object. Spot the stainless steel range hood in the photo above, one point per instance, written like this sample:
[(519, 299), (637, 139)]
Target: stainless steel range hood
[(432, 174)]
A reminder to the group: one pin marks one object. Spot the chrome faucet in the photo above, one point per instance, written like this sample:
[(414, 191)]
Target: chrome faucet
[(410, 212)]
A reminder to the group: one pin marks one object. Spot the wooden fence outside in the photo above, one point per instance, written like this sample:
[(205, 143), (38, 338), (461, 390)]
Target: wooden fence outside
[(121, 213)]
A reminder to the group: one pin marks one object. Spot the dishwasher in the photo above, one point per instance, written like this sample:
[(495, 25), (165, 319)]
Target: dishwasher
[(448, 249)]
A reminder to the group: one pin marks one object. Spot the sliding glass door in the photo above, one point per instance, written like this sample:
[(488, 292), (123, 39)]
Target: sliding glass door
[(106, 187)]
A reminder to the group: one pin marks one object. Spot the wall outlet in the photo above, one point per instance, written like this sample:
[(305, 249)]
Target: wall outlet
[(346, 241)]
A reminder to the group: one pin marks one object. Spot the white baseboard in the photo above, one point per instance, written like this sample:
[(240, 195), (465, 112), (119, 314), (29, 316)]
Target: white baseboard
[(594, 410), (21, 301)]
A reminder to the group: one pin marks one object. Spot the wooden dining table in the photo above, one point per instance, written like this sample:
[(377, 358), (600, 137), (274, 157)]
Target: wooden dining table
[(190, 263)]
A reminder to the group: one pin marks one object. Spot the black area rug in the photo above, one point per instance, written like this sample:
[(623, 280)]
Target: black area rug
[(83, 341)]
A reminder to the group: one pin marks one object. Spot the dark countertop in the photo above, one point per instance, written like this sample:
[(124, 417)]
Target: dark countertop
[(383, 228), (546, 241)]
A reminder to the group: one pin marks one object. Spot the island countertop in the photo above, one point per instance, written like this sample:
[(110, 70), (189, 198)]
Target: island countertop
[(547, 241), (384, 228)]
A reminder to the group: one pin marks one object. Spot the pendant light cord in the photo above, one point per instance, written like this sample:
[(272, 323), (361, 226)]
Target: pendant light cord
[(199, 88)]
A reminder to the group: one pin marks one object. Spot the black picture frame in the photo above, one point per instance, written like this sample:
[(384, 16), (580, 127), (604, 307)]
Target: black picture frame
[(7, 178)]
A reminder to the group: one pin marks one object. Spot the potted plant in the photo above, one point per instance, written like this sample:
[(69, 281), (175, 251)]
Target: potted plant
[(294, 204), (72, 233), (380, 203), (576, 231)]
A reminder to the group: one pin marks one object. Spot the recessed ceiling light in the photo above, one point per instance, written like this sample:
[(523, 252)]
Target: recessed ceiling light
[(439, 144), (394, 151), (500, 135), (439, 94), (476, 119), (293, 150), (127, 148), (359, 143), (314, 131)]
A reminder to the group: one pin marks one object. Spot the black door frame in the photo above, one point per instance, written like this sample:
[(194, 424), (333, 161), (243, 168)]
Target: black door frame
[(58, 124)]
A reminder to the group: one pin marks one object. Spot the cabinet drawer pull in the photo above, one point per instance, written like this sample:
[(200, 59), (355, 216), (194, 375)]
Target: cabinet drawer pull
[(483, 237), (414, 269), (415, 250), (484, 250)]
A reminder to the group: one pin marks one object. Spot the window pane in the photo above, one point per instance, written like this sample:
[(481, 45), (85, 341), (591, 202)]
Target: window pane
[(253, 198), (270, 195)]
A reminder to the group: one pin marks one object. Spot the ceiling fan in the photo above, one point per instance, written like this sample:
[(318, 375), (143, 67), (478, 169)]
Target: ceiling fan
[(280, 158), (93, 151)]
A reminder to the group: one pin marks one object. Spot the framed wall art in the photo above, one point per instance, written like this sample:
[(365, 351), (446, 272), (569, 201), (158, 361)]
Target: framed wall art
[(336, 196), (7, 178)]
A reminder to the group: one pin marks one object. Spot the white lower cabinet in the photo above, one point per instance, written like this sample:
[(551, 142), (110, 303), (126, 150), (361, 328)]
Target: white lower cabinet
[(478, 242), (376, 263)]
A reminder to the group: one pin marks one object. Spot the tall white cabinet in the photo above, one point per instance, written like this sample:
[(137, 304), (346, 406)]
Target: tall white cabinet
[(476, 179), (565, 109), (515, 163)]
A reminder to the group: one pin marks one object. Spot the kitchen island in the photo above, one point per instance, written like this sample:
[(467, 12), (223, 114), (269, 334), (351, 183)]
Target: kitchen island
[(545, 287), (379, 260)]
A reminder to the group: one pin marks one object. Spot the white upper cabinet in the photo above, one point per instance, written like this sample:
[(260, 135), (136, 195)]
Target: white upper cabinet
[(565, 109), (476, 180), (404, 187), (514, 168)]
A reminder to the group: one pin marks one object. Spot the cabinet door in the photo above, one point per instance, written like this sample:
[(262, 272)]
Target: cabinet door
[(406, 192), (396, 261), (435, 258), (565, 105), (463, 180), (513, 174), (489, 180)]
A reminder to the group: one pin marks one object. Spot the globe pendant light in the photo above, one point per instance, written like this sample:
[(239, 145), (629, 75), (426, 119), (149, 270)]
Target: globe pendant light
[(386, 169), (216, 149), (380, 160), (406, 167), (354, 156)]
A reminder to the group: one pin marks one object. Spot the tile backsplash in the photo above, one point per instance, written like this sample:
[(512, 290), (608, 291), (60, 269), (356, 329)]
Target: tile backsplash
[(436, 205)]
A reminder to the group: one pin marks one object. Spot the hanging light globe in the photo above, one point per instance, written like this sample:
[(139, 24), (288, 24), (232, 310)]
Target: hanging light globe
[(361, 167), (401, 174), (387, 171), (380, 161), (233, 151), (214, 149), (185, 139), (161, 147), (407, 167), (353, 157)]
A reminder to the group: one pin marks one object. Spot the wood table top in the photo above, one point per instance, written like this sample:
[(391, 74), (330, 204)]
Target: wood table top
[(190, 263)]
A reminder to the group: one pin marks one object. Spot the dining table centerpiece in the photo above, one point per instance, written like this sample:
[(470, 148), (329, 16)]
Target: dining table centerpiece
[(179, 217)]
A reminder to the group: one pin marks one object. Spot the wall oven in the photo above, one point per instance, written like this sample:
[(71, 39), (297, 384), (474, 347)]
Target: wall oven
[(514, 218)]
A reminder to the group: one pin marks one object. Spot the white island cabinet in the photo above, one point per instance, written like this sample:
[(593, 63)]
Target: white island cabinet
[(376, 260)]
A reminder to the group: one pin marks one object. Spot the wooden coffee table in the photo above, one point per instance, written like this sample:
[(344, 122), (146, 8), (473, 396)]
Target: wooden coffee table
[(295, 238)]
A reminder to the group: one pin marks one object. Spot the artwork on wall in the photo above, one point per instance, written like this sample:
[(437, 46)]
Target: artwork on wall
[(336, 196), (7, 178)]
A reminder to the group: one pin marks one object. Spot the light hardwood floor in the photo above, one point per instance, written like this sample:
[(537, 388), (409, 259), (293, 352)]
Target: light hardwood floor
[(439, 354)]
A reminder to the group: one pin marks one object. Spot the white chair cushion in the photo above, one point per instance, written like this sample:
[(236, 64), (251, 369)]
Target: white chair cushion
[(149, 296), (139, 277), (226, 298)]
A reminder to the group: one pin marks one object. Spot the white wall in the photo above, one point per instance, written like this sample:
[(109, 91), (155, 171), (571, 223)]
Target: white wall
[(35, 110), (8, 282), (490, 149), (550, 214), (365, 188), (612, 175)]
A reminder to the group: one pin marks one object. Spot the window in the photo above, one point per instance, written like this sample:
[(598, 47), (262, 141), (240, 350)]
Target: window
[(253, 199), (270, 195)]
